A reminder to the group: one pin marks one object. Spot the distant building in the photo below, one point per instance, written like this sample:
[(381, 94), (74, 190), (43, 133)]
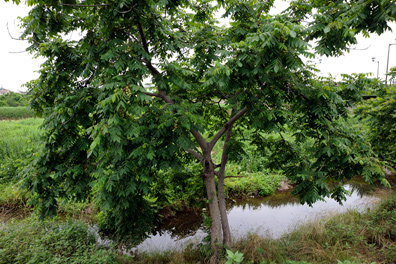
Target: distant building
[(4, 91)]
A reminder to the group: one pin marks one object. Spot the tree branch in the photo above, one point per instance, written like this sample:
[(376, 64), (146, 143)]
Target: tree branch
[(224, 155), (77, 5), (225, 127), (201, 141), (124, 12), (151, 94), (234, 176), (261, 11), (195, 154), (143, 37), (153, 70)]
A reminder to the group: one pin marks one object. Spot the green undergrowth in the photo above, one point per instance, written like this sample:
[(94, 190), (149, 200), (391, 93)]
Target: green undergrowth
[(257, 183), (34, 241), (15, 113), (11, 195), (19, 140)]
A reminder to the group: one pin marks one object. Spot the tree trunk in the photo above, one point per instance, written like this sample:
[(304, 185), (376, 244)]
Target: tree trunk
[(215, 229), (222, 205)]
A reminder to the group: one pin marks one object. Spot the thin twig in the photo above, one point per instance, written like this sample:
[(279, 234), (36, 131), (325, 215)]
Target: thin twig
[(124, 12), (14, 52), (77, 5), (9, 33)]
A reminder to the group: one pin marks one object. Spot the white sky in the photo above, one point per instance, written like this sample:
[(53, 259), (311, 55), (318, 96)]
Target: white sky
[(17, 69)]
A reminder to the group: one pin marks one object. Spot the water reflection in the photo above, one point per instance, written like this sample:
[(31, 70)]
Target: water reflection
[(184, 224), (274, 215)]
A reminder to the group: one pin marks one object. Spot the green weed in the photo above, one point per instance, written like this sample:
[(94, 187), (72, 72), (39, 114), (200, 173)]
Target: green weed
[(33, 241)]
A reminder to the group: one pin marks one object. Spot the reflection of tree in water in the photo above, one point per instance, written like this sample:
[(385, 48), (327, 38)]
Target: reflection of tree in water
[(361, 188), (286, 198), (273, 201), (184, 224)]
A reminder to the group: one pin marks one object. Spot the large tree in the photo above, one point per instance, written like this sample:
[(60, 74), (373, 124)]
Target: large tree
[(108, 133)]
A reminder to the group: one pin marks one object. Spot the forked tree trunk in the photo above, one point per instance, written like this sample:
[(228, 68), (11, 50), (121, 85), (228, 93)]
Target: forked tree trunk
[(217, 209)]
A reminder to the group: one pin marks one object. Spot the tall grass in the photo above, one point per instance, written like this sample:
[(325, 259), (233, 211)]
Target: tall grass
[(19, 138), (15, 113)]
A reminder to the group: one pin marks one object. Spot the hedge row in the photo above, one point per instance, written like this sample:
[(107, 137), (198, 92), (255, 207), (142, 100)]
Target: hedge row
[(15, 113)]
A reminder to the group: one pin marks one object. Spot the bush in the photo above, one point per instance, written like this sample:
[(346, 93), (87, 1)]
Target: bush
[(253, 183)]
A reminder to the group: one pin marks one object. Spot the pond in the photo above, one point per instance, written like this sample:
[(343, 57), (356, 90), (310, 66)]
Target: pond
[(269, 216)]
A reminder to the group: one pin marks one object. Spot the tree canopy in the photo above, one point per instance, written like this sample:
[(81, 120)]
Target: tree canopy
[(107, 133)]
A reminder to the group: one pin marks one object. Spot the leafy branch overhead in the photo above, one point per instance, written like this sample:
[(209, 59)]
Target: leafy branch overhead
[(153, 85)]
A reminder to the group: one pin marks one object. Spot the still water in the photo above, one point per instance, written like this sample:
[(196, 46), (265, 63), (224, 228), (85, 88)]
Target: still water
[(269, 216)]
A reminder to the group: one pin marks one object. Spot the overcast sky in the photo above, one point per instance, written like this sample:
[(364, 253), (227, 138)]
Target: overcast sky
[(17, 68)]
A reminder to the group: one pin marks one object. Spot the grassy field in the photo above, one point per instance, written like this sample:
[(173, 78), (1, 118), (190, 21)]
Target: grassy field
[(19, 138), (15, 113)]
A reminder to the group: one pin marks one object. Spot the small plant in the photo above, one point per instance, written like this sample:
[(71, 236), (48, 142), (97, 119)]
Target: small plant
[(234, 257)]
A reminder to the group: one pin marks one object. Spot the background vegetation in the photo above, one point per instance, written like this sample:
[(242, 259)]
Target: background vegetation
[(12, 99), (15, 113)]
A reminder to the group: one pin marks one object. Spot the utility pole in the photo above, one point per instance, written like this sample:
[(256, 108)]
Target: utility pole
[(387, 64)]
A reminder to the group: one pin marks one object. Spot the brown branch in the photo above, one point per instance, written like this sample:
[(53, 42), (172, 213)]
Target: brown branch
[(124, 12), (225, 127), (151, 94), (77, 5), (261, 11), (153, 70), (195, 154), (165, 105), (143, 37), (224, 155), (201, 141)]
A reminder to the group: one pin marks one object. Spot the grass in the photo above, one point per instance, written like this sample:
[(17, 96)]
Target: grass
[(247, 184), (15, 113), (19, 138), (33, 241)]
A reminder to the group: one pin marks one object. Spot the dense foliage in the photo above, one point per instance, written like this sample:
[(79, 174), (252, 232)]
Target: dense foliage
[(13, 99), (380, 114), (109, 133)]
